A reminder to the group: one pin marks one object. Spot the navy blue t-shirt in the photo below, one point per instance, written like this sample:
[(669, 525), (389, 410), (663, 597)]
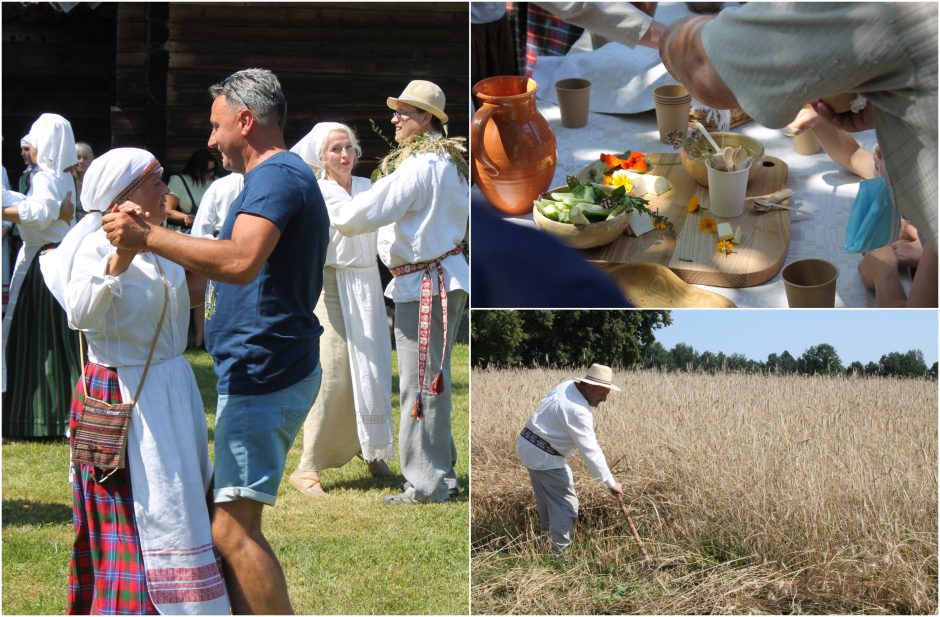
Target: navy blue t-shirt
[(263, 335)]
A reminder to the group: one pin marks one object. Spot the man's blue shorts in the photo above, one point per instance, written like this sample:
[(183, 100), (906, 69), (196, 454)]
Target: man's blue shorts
[(253, 434)]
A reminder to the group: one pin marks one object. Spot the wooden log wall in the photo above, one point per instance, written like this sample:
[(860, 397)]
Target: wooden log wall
[(56, 62), (138, 73), (335, 61)]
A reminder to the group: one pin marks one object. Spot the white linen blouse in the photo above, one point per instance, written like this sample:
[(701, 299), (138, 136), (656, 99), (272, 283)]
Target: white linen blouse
[(39, 212), (564, 419), (119, 314), (420, 211), (357, 251)]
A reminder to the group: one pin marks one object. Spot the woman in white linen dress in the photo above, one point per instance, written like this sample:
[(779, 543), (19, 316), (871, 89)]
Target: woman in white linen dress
[(143, 541), (41, 360), (352, 415)]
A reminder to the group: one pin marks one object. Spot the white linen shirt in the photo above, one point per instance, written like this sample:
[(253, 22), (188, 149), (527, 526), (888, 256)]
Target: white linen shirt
[(119, 314), (39, 212), (420, 211), (564, 419), (215, 204), (357, 251)]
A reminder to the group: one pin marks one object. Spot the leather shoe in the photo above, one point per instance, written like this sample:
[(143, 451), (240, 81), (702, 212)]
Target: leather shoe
[(379, 469)]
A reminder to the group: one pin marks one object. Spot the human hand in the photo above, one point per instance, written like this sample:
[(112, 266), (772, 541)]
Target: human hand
[(878, 160), (806, 119), (66, 208), (188, 220), (848, 121), (879, 266), (127, 227), (616, 489)]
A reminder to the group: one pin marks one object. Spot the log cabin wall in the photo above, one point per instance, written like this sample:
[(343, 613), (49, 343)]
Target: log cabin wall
[(144, 69), (56, 62), (335, 62)]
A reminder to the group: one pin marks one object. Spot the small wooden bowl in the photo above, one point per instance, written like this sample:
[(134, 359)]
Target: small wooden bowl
[(696, 167), (582, 236)]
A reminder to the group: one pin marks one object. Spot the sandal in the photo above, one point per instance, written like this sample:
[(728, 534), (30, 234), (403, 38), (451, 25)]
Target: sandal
[(306, 485)]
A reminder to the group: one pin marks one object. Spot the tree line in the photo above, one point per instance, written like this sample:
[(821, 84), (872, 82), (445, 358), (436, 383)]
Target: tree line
[(626, 339)]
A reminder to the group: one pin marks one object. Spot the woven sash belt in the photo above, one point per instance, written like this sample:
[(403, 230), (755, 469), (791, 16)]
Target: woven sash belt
[(424, 321), (539, 443)]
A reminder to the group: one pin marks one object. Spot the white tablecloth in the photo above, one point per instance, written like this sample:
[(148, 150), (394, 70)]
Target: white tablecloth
[(820, 185)]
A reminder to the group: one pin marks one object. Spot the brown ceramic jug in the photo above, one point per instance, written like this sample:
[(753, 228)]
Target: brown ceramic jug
[(513, 147)]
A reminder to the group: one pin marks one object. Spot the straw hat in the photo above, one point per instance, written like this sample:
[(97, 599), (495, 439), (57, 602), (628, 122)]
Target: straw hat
[(599, 375), (424, 95)]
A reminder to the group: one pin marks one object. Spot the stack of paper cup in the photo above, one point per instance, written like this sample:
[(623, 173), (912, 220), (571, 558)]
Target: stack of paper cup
[(672, 109)]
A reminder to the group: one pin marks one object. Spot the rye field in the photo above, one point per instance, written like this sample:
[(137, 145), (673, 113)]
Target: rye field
[(752, 493)]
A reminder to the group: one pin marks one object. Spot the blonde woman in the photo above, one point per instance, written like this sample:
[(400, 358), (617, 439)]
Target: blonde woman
[(352, 415)]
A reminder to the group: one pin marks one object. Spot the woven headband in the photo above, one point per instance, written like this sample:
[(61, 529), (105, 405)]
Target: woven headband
[(123, 195)]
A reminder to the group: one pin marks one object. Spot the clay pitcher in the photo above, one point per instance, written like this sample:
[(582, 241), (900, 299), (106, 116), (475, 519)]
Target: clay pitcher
[(513, 147)]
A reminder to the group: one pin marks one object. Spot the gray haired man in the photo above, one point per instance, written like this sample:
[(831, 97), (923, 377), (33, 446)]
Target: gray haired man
[(562, 422), (266, 274)]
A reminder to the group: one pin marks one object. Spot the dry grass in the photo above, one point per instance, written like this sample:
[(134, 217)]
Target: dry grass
[(763, 494)]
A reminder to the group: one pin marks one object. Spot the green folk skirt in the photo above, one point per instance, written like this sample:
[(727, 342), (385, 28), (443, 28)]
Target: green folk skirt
[(42, 363)]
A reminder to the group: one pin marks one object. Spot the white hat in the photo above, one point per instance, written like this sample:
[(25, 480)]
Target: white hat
[(599, 375), (424, 95)]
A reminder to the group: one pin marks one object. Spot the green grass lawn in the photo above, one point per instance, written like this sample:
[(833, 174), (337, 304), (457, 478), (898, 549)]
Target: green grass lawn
[(345, 554)]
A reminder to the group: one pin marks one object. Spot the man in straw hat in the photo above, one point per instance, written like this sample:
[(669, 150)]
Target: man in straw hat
[(562, 422), (418, 204)]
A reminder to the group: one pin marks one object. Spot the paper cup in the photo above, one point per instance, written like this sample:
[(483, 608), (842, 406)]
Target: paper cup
[(670, 92), (726, 191), (806, 143), (574, 97), (672, 116), (810, 283)]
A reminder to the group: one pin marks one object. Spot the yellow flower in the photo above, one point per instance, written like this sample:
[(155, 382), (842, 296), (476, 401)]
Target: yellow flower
[(620, 178), (708, 224), (661, 224), (693, 204), (726, 247)]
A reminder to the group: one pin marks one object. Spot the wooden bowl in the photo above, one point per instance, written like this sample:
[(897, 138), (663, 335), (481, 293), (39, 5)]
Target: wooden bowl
[(582, 236), (696, 167)]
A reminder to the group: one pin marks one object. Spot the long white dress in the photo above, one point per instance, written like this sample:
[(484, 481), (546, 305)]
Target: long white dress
[(353, 411), (168, 450)]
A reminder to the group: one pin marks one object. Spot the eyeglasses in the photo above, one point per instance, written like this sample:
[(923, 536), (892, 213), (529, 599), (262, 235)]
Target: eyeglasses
[(227, 84), (407, 114)]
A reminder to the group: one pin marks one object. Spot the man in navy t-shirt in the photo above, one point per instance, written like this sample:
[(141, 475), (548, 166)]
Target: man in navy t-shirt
[(265, 274)]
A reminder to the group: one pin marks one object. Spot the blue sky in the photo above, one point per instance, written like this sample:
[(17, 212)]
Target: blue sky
[(864, 335)]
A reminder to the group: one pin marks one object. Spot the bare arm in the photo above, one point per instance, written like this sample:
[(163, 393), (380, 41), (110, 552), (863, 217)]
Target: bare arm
[(11, 213), (684, 55), (236, 261), (174, 215)]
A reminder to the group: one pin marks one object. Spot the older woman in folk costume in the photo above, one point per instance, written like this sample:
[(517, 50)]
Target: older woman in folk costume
[(352, 415), (419, 207), (41, 361), (143, 542)]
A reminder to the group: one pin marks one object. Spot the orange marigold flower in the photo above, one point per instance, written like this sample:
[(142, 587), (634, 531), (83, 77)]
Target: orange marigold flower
[(693, 204), (726, 247), (708, 224), (661, 224)]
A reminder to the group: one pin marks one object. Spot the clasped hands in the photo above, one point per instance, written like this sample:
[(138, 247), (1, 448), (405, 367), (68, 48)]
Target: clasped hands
[(126, 227)]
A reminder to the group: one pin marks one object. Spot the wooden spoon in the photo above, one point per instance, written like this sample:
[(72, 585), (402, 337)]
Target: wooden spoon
[(766, 206), (740, 158), (707, 135), (728, 155)]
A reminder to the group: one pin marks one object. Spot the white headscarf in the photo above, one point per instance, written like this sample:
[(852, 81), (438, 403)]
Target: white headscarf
[(311, 144), (52, 136), (109, 180)]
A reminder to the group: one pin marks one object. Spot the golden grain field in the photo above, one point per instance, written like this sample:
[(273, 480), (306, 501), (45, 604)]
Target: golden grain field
[(753, 493)]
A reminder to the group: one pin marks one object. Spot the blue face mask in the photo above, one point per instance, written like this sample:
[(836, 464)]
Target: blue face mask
[(875, 221)]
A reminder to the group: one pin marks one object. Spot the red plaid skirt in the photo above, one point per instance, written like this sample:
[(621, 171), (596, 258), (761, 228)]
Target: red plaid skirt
[(106, 573)]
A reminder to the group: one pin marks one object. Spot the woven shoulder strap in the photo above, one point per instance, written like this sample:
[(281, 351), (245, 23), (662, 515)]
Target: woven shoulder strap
[(153, 344)]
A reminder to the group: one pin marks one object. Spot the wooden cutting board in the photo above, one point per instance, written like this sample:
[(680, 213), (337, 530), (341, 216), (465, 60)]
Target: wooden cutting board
[(692, 255)]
